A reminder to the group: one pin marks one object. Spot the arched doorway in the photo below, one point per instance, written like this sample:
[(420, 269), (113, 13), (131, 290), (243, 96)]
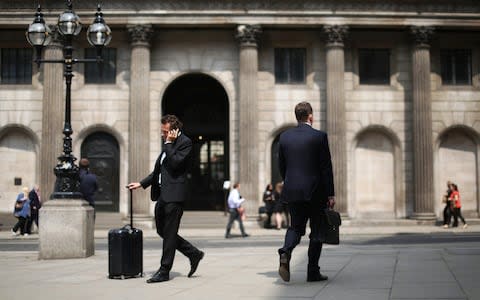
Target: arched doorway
[(201, 103), (103, 152)]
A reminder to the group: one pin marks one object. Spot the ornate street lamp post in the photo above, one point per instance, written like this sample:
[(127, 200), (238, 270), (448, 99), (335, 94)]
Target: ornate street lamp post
[(39, 35)]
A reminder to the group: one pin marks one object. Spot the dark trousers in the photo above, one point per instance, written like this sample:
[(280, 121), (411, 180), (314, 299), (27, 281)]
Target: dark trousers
[(457, 214), (300, 213), (33, 218), (447, 213), (22, 225), (167, 219), (234, 215)]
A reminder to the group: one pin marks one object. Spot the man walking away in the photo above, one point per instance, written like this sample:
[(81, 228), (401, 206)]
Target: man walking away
[(306, 167)]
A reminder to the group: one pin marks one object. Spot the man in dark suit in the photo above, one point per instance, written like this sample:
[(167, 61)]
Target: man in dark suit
[(306, 167), (88, 182), (167, 183)]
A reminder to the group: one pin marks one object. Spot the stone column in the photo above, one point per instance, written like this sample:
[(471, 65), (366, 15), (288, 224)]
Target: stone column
[(247, 36), (422, 124), (336, 121), (53, 111), (139, 119)]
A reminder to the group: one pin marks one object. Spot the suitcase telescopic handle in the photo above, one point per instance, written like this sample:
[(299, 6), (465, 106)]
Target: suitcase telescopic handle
[(131, 208)]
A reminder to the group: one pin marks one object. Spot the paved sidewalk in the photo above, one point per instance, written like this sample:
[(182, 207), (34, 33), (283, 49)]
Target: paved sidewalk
[(370, 271)]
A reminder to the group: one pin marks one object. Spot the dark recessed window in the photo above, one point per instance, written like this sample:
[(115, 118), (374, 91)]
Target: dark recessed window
[(290, 65), (16, 66), (104, 72), (456, 66), (374, 66)]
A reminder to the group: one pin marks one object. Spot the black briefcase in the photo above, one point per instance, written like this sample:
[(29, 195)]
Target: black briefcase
[(332, 232), (125, 251)]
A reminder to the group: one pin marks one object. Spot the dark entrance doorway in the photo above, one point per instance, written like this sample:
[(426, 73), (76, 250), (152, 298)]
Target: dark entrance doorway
[(201, 103), (103, 152)]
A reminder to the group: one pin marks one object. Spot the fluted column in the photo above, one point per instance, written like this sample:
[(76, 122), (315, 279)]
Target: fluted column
[(336, 121), (53, 110), (139, 117), (422, 124), (247, 36)]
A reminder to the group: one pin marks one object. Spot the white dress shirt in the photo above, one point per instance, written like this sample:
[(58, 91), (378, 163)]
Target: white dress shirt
[(234, 200)]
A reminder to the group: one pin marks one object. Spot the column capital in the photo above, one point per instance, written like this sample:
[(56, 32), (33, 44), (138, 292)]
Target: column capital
[(248, 35), (422, 35), (336, 34), (140, 35)]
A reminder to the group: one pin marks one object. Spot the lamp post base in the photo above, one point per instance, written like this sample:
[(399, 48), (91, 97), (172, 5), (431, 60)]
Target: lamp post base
[(66, 229)]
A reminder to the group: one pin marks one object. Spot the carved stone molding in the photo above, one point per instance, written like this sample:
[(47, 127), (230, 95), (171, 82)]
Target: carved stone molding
[(140, 34), (335, 34), (248, 35), (422, 35)]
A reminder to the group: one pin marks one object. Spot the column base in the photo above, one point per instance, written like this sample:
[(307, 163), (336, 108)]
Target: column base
[(66, 229), (423, 216)]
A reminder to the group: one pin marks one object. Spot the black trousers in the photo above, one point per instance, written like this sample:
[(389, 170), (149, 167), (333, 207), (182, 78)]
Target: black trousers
[(457, 213), (167, 219), (300, 213), (22, 224), (447, 213)]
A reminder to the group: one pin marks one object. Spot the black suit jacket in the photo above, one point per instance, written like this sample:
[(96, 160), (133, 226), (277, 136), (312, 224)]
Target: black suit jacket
[(305, 165), (173, 170)]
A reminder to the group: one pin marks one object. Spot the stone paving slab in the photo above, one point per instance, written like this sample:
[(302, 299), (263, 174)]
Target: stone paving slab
[(355, 273)]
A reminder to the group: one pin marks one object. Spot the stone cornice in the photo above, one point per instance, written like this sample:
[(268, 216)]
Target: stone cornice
[(461, 6), (461, 14)]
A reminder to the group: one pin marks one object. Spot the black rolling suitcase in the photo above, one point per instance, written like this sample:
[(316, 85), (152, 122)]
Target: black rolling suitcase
[(125, 250)]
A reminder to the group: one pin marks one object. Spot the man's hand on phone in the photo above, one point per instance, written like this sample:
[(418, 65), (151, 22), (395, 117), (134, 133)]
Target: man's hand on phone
[(172, 135)]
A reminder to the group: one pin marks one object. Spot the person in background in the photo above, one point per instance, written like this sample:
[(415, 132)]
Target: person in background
[(457, 205), (88, 182), (234, 203), (35, 205), (447, 211), (269, 204), (22, 213), (279, 207)]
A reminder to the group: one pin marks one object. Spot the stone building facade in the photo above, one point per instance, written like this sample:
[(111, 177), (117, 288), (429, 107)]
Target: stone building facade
[(395, 84)]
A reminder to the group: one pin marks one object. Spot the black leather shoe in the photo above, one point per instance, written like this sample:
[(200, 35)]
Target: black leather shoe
[(194, 261), (284, 269), (311, 277), (245, 235), (159, 277)]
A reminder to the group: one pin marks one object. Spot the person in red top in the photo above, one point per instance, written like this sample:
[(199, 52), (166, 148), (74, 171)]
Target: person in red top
[(457, 205)]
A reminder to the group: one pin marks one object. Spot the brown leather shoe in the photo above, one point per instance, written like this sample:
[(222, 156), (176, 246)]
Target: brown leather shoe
[(284, 269)]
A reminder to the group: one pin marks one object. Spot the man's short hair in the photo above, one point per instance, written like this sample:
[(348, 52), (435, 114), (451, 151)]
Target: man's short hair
[(173, 121), (84, 163), (302, 111)]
